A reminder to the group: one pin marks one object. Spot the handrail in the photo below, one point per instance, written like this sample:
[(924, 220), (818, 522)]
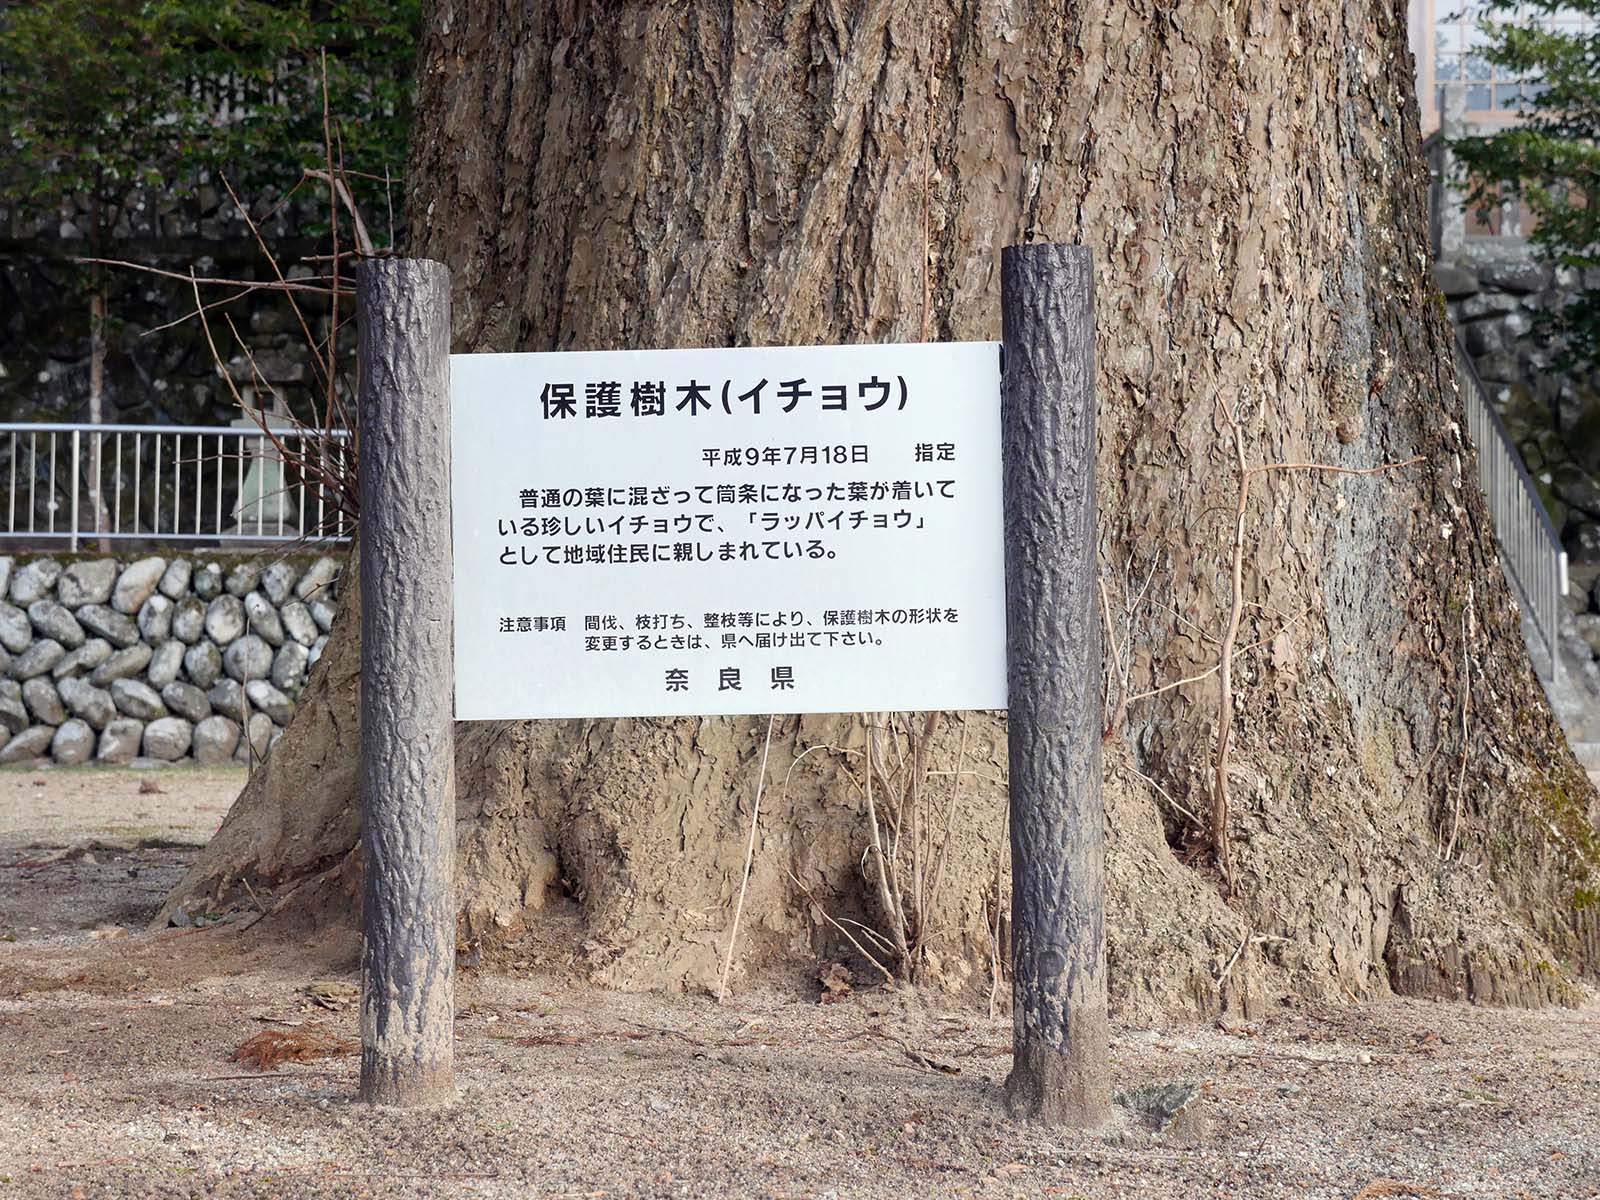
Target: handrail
[(183, 483), (288, 431), (1531, 552), (1464, 361)]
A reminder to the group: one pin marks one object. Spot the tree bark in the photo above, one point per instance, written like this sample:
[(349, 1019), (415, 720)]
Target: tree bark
[(408, 686), (97, 387), (1060, 1071), (99, 227), (97, 360), (1251, 183)]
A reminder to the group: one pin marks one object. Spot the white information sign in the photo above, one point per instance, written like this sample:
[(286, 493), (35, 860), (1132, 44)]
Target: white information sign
[(679, 532)]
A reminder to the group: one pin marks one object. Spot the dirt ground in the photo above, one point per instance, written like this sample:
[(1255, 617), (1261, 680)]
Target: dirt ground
[(116, 1076)]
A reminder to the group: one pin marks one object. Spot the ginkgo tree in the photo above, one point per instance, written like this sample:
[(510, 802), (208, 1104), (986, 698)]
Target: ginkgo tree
[(1405, 813)]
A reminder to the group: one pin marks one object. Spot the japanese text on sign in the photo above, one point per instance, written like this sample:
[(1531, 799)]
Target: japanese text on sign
[(677, 532)]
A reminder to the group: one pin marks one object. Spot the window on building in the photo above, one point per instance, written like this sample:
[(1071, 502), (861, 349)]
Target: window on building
[(1449, 45)]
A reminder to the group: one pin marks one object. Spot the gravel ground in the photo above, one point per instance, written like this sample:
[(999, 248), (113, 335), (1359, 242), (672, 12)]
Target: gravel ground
[(116, 1076)]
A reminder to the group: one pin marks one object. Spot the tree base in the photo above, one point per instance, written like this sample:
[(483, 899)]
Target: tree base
[(1049, 1086), (406, 1083), (571, 836)]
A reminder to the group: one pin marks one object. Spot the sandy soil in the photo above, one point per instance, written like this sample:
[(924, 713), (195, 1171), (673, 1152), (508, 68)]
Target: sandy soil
[(116, 1077), (176, 803)]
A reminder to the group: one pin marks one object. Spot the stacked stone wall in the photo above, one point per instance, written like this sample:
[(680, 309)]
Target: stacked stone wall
[(1496, 291), (163, 658), (169, 377), (1552, 415)]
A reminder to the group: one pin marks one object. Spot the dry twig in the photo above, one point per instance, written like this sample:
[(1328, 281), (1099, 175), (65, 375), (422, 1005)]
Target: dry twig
[(1466, 709), (1219, 786), (749, 858)]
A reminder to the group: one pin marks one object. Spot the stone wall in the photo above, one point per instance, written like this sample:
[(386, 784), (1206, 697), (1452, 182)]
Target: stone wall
[(1495, 296), (1495, 290), (168, 376), (187, 657)]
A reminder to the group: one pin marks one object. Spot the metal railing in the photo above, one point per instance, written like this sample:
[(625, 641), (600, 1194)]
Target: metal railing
[(1530, 547), (195, 483)]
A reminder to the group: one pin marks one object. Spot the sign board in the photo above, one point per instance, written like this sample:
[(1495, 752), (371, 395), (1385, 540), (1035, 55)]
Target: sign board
[(682, 532)]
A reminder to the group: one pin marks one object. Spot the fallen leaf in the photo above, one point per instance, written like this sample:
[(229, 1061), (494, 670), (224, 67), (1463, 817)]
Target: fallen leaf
[(835, 979), (272, 1046)]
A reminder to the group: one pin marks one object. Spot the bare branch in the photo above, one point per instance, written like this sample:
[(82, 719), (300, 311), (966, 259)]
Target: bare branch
[(309, 284), (272, 261), (1219, 784), (749, 859)]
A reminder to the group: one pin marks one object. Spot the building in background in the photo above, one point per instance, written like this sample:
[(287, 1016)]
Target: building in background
[(1448, 46), (1541, 423), (1459, 90)]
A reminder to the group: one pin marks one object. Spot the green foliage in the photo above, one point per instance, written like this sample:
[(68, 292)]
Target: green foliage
[(100, 96), (1550, 160)]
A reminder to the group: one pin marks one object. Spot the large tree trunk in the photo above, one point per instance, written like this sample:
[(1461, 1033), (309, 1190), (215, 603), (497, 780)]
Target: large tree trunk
[(1251, 183)]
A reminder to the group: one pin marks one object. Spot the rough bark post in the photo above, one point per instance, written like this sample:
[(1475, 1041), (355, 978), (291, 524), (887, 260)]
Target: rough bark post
[(1059, 1072), (407, 685)]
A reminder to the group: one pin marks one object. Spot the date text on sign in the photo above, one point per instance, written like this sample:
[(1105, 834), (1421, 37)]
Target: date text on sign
[(700, 532)]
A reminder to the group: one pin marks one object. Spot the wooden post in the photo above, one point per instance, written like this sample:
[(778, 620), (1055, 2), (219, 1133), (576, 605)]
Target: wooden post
[(1059, 1071), (407, 685)]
